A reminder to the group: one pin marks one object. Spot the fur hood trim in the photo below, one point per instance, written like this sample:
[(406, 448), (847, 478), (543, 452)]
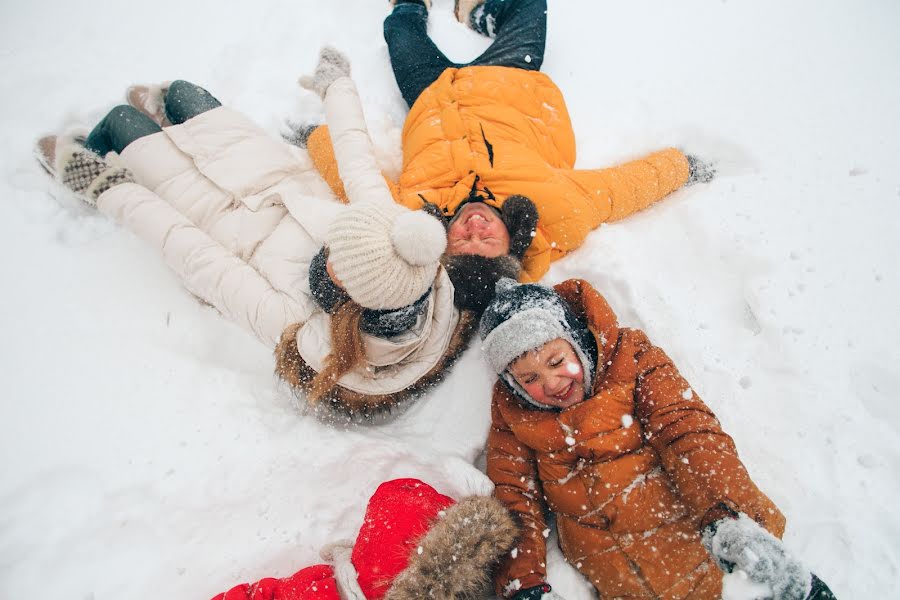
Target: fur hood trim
[(348, 405), (453, 559)]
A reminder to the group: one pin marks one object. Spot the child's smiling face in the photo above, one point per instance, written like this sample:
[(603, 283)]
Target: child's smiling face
[(552, 374)]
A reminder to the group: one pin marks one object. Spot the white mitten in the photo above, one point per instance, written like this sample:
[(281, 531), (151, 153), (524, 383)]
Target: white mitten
[(742, 544), (332, 66)]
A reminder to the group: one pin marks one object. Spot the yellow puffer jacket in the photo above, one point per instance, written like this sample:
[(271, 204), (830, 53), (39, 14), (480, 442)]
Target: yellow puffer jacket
[(510, 128)]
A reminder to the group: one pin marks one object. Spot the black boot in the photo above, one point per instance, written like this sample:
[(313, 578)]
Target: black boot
[(425, 3), (819, 590)]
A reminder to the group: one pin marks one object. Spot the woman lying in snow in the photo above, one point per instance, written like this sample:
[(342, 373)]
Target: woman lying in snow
[(414, 543), (353, 298), (594, 423), (490, 145)]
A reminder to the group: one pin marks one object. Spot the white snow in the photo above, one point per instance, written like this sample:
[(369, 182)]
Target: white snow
[(146, 443)]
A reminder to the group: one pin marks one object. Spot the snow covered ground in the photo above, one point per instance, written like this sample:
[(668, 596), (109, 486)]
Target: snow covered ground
[(148, 450)]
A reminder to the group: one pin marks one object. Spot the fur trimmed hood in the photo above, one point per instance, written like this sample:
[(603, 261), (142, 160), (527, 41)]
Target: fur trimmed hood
[(417, 543), (453, 559)]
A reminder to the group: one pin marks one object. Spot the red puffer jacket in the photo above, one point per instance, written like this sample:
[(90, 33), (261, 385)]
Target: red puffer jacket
[(414, 542)]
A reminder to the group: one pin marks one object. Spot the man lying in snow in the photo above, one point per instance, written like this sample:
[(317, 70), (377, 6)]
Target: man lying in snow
[(489, 146), (593, 422), (414, 543)]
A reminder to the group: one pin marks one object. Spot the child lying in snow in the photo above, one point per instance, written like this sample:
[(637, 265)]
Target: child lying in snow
[(594, 423), (414, 543)]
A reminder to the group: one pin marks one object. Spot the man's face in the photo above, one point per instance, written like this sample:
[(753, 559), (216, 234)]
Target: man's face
[(477, 229)]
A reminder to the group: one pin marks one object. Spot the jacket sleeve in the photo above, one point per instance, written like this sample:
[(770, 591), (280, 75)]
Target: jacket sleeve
[(511, 466), (700, 458), (343, 151), (322, 154), (312, 582), (635, 185), (206, 268)]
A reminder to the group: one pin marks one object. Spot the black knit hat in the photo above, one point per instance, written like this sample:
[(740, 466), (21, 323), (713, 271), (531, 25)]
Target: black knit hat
[(475, 278), (523, 317), (380, 323), (520, 216)]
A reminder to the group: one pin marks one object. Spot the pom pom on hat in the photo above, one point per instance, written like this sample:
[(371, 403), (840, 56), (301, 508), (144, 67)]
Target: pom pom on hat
[(418, 238), (385, 256)]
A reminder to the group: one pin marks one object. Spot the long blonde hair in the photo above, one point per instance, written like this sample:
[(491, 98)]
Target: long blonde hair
[(347, 349)]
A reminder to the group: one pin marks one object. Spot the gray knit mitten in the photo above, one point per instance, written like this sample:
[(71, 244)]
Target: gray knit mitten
[(88, 174), (332, 66), (742, 544), (700, 171)]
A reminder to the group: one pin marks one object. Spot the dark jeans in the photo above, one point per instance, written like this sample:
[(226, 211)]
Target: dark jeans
[(520, 28), (124, 124)]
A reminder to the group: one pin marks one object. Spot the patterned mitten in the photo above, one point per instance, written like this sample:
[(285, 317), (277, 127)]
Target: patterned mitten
[(88, 174), (332, 66), (742, 544), (700, 171)]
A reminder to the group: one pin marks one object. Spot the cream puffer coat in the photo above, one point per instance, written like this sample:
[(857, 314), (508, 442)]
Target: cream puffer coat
[(239, 215)]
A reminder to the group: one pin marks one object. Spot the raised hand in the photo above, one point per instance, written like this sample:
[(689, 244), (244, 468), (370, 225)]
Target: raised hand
[(332, 66)]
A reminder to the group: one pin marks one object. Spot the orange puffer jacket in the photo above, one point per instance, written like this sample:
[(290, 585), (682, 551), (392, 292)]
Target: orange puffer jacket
[(633, 473), (510, 128)]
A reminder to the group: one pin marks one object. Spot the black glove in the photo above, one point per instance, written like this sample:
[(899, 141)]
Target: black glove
[(700, 171), (538, 592)]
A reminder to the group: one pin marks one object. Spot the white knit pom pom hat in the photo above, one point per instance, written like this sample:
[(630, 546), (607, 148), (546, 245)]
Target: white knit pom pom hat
[(385, 256)]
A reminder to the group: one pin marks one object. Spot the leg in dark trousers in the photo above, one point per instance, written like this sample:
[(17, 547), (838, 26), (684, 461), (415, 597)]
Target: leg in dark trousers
[(520, 29), (185, 100), (519, 26), (121, 126), (416, 61), (124, 124)]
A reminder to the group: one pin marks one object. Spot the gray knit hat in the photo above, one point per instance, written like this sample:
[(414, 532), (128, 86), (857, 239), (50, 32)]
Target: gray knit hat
[(523, 317), (386, 256)]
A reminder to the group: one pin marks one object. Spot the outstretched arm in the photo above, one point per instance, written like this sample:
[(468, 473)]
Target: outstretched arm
[(701, 459), (350, 146), (623, 190)]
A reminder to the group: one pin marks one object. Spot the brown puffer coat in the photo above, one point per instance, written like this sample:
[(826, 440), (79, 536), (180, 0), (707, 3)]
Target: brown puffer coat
[(632, 473)]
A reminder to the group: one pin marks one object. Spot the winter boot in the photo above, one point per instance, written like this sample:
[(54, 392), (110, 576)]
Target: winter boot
[(464, 10), (45, 153), (425, 3), (87, 174), (150, 100)]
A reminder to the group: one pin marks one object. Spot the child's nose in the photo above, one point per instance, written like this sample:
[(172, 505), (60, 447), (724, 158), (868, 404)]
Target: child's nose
[(554, 384)]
